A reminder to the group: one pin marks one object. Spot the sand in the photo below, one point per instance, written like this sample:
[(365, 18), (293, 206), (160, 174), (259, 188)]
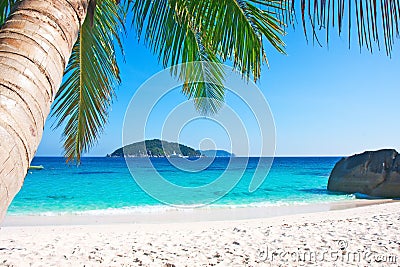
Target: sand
[(361, 236)]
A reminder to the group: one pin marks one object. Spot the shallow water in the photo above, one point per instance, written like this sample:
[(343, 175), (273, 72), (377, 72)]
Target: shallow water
[(105, 185)]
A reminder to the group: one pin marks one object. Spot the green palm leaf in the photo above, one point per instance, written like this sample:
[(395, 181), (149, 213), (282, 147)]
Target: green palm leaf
[(171, 34), (5, 8), (376, 21), (182, 31), (203, 79), (92, 73), (236, 30)]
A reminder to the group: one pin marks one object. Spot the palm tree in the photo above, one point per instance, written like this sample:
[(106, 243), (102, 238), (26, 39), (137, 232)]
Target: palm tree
[(35, 44), (38, 41), (42, 41)]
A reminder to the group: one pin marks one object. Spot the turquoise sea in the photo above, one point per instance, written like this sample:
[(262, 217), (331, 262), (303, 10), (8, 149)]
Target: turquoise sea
[(105, 185)]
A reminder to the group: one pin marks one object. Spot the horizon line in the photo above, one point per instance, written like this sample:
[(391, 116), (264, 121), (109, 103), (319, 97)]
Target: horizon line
[(236, 156)]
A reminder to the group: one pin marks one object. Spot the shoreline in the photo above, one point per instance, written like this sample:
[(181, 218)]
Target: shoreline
[(188, 215)]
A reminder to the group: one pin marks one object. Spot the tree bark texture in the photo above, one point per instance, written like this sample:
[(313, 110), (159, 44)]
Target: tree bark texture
[(35, 44)]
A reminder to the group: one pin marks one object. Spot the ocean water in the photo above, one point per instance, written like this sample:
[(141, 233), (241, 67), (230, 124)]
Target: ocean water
[(105, 185)]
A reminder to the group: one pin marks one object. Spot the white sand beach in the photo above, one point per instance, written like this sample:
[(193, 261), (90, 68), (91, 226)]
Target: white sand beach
[(360, 236)]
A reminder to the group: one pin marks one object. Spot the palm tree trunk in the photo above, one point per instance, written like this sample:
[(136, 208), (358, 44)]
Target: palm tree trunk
[(35, 45)]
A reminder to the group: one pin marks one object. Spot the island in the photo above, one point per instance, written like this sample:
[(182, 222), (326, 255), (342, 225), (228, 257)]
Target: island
[(216, 153), (157, 148)]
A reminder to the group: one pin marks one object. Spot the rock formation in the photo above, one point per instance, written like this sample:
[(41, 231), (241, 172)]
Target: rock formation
[(374, 173)]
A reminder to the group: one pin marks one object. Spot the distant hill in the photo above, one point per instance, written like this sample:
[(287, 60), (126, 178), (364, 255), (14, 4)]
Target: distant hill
[(216, 153), (155, 148)]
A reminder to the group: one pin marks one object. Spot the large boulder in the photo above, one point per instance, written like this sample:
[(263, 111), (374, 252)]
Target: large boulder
[(374, 173)]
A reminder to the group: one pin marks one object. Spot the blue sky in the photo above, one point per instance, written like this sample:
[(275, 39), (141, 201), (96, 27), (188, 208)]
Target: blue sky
[(325, 101)]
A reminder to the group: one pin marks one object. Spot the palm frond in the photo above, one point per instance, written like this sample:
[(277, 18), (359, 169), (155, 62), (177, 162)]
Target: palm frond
[(376, 21), (183, 31), (236, 29), (203, 80), (170, 33), (202, 73), (6, 6), (92, 73)]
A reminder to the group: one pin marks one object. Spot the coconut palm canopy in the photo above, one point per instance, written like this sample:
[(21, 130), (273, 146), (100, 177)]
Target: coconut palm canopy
[(181, 31)]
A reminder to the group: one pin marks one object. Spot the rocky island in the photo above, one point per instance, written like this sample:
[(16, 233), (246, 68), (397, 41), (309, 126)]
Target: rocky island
[(155, 148), (217, 153)]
